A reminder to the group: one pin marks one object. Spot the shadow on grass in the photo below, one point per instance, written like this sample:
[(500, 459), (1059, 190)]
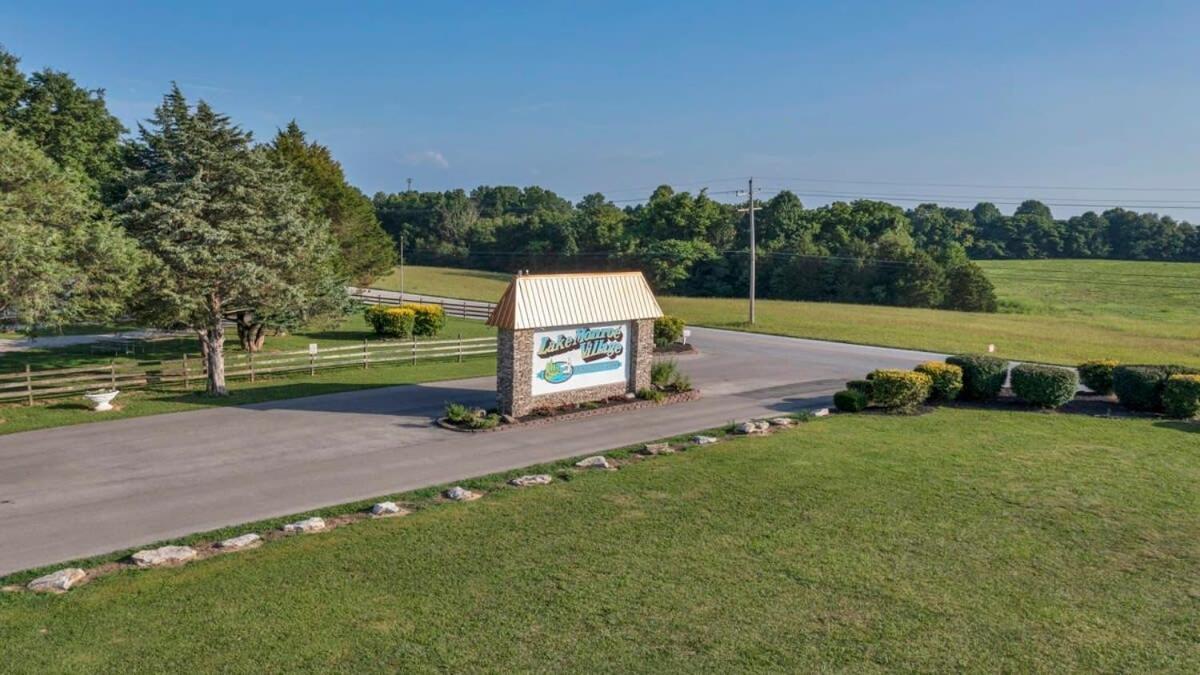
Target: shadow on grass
[(1191, 427)]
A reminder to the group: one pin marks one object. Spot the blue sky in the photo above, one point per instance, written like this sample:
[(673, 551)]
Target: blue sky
[(618, 97)]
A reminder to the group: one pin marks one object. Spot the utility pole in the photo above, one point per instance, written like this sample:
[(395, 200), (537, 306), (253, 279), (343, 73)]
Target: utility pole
[(751, 208), (409, 184), (402, 266)]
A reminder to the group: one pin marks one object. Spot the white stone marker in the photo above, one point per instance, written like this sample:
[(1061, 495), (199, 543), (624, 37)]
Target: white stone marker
[(239, 543), (783, 421), (306, 526), (57, 582), (461, 494), (823, 412), (531, 480), (657, 449), (385, 509), (704, 440), (597, 462), (166, 555)]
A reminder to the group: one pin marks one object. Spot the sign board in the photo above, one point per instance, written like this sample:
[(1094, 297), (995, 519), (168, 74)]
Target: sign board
[(575, 357), (312, 349)]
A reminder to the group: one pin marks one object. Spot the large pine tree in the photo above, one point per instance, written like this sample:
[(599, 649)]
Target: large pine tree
[(227, 229)]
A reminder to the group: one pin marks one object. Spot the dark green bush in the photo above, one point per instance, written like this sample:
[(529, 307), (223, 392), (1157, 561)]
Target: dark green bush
[(863, 386), (899, 389), (947, 380), (1141, 387), (850, 400), (1097, 375), (667, 330), (983, 375), (1044, 386), (1181, 396)]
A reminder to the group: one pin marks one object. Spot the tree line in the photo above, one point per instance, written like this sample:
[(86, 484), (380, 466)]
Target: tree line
[(189, 223)]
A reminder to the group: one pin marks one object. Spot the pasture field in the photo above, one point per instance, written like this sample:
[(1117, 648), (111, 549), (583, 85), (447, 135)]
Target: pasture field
[(962, 540), (1056, 311)]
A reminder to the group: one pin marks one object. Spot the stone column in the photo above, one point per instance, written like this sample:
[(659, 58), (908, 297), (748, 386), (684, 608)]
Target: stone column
[(514, 379), (642, 343)]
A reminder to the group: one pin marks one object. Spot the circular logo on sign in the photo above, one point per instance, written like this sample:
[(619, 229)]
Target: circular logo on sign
[(557, 372)]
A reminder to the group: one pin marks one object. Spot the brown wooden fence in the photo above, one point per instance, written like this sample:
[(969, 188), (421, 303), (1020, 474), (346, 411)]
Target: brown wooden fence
[(32, 384)]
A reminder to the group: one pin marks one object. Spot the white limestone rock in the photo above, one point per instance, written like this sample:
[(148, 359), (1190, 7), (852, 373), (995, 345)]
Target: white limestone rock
[(239, 543), (57, 582), (762, 425), (823, 412), (306, 526), (597, 462), (704, 440), (461, 494), (531, 480), (657, 449), (752, 427), (386, 509), (166, 555), (783, 421)]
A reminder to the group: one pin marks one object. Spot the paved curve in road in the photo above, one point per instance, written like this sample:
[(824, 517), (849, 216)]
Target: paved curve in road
[(85, 490)]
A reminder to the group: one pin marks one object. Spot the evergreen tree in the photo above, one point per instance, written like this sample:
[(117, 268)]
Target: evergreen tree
[(226, 228)]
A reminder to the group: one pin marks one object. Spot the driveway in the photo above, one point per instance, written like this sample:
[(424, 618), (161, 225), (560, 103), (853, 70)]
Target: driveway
[(89, 489)]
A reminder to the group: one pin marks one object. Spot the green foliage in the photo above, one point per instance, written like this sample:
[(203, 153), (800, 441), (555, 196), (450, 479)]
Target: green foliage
[(1044, 386), (863, 386), (459, 413), (391, 322), (983, 375), (665, 376), (901, 390), (473, 418), (969, 290), (63, 261), (1141, 387), (668, 330), (1097, 375), (365, 249), (651, 394), (1181, 396), (428, 319), (947, 380), (850, 400), (226, 229)]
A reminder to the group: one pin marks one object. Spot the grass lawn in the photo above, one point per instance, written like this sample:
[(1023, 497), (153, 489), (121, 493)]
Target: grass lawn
[(957, 541), (447, 282), (1058, 311)]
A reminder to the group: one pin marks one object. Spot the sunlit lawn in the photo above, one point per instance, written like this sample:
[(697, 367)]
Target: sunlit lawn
[(961, 541)]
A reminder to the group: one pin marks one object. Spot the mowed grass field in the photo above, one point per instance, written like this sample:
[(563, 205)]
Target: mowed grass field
[(962, 540), (1055, 311)]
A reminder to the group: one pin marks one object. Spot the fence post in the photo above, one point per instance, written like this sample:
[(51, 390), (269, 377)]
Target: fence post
[(187, 380), (250, 360), (112, 374), (414, 350), (365, 363), (312, 364), (460, 347), (28, 384)]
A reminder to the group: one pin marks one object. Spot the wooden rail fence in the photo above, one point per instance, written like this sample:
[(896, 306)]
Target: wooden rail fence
[(463, 309), (31, 384)]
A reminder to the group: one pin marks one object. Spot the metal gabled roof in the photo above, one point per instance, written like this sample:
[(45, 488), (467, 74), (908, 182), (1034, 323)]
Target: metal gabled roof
[(548, 300)]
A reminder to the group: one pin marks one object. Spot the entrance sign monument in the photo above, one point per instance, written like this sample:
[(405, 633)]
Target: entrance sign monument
[(572, 338)]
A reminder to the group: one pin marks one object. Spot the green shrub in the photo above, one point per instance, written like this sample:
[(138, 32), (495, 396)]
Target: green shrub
[(863, 386), (667, 330), (665, 376), (1181, 396), (393, 322), (850, 400), (899, 389), (947, 380), (1097, 375), (459, 413), (1141, 387), (1044, 386), (485, 421), (651, 394), (983, 376), (428, 319)]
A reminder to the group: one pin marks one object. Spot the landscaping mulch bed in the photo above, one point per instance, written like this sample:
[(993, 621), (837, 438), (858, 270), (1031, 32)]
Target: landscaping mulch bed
[(676, 349), (569, 412)]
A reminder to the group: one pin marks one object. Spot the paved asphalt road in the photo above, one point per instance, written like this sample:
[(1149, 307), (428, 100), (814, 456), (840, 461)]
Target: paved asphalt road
[(89, 489)]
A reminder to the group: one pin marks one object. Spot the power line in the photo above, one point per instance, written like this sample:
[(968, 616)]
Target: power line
[(986, 186), (1187, 205)]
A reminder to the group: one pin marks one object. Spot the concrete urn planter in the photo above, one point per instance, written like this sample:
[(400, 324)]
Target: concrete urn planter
[(102, 400)]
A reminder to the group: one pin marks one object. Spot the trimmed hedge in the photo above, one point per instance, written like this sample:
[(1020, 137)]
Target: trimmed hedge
[(1044, 386), (947, 380), (395, 322), (667, 330), (850, 400), (983, 375), (428, 319), (1141, 387), (1181, 396), (863, 386), (899, 389), (1097, 375)]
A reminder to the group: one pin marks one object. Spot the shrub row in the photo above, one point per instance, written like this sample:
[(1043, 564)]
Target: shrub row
[(983, 376), (1143, 387), (406, 320), (1044, 386)]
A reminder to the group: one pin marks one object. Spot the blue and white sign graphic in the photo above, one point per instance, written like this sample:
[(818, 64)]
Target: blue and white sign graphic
[(579, 356)]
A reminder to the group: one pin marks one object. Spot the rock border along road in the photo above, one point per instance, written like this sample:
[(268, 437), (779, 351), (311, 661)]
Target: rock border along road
[(89, 489)]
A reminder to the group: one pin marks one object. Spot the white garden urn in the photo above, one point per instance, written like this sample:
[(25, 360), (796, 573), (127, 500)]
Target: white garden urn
[(102, 400)]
